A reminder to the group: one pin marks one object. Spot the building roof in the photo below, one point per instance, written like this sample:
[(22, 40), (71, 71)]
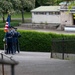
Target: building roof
[(46, 8)]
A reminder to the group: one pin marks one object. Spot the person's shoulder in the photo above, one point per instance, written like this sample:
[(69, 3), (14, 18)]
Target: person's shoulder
[(19, 35), (6, 33)]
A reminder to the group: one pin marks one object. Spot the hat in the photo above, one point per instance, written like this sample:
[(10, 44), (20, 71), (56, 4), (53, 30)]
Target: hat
[(12, 27), (9, 26)]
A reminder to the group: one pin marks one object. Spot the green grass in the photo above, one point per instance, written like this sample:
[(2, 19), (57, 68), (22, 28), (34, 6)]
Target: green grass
[(13, 23), (19, 15)]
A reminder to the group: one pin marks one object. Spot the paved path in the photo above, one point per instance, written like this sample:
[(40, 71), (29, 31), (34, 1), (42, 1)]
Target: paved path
[(39, 63)]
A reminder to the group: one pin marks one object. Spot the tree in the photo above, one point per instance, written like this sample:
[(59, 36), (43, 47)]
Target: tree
[(49, 2), (41, 2), (22, 4), (5, 6)]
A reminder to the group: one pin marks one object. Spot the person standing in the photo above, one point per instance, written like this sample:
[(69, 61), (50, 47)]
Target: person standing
[(15, 40), (8, 37)]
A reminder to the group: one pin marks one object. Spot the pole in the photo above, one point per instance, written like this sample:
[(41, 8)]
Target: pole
[(52, 48), (12, 70), (2, 65), (63, 46)]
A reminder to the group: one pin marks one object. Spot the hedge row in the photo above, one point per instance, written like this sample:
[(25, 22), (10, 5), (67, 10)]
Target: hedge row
[(2, 25), (35, 41)]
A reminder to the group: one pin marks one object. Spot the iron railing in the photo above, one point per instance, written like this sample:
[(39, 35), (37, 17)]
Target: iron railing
[(10, 62), (63, 45)]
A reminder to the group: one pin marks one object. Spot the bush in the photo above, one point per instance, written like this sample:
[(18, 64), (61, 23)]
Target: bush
[(37, 41), (1, 38)]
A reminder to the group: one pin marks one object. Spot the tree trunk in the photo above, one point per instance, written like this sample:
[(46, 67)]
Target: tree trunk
[(22, 16), (22, 11), (3, 18)]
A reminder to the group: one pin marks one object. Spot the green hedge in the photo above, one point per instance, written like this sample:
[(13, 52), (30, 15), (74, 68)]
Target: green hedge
[(1, 38), (35, 41)]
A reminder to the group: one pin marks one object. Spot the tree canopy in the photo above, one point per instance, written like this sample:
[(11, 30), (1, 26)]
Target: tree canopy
[(49, 2), (5, 6), (16, 5)]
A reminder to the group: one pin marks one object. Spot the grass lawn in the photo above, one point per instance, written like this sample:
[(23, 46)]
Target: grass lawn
[(16, 22), (18, 15), (13, 23)]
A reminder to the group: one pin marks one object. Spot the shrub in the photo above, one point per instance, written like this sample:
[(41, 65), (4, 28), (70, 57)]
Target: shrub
[(38, 41), (1, 38), (35, 41)]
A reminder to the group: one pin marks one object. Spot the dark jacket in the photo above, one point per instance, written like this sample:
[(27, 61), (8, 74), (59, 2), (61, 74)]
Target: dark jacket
[(8, 37), (15, 36)]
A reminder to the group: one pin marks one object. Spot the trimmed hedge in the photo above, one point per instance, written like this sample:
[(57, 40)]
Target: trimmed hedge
[(1, 38), (35, 41)]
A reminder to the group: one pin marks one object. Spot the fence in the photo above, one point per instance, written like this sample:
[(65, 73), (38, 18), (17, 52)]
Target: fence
[(63, 46), (10, 62)]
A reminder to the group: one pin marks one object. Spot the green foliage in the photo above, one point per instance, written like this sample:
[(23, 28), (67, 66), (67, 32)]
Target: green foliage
[(18, 15), (5, 5), (71, 5), (42, 42), (1, 38), (47, 2), (22, 4), (35, 41)]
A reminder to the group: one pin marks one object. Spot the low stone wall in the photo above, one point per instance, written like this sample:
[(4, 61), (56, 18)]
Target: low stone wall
[(46, 26), (40, 26), (66, 56)]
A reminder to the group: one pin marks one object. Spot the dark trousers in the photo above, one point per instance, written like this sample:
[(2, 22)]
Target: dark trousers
[(18, 48), (9, 48)]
